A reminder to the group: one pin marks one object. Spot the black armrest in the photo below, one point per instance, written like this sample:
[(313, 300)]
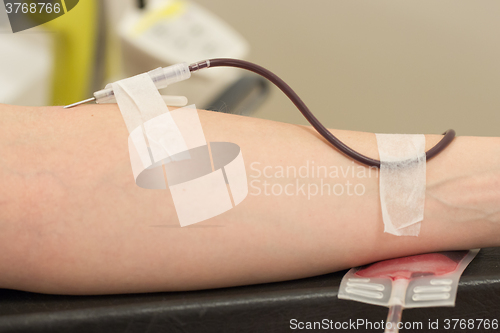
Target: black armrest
[(257, 308)]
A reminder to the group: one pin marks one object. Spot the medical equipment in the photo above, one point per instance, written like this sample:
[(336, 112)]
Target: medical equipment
[(167, 148), (424, 280), (179, 72)]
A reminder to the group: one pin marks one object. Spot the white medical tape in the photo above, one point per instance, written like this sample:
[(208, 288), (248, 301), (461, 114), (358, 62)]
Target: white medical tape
[(402, 182), (139, 102), (168, 148), (198, 192)]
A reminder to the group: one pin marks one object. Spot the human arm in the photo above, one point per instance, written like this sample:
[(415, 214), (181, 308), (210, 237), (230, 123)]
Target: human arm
[(72, 219)]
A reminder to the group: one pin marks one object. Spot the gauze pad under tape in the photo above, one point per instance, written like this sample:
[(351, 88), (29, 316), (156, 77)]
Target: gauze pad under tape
[(402, 182)]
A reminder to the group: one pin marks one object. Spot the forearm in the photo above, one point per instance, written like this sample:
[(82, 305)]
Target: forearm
[(73, 220)]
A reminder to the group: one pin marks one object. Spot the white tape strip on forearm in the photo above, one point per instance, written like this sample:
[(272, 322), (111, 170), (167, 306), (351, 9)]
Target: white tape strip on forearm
[(170, 148), (139, 102), (402, 182)]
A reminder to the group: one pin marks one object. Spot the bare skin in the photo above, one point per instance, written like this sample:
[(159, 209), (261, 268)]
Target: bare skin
[(73, 221)]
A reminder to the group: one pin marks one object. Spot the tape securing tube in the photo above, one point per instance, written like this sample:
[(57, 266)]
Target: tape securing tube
[(402, 182), (168, 149)]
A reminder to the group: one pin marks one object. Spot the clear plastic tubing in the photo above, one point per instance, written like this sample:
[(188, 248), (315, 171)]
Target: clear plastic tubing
[(396, 305), (394, 318), (162, 77)]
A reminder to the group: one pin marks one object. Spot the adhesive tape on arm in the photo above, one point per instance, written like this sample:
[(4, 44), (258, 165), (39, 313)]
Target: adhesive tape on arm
[(402, 182), (168, 149)]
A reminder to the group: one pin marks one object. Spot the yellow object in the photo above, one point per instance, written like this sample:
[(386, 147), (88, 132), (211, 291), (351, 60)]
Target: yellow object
[(74, 56), (64, 6), (171, 9)]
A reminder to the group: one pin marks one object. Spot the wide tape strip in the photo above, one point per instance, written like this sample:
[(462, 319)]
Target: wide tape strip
[(139, 102), (168, 148), (402, 182)]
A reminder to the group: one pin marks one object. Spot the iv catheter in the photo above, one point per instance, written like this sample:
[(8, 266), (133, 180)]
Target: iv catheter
[(162, 77)]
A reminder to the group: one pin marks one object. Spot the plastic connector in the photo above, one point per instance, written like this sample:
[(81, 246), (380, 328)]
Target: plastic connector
[(162, 77), (199, 65)]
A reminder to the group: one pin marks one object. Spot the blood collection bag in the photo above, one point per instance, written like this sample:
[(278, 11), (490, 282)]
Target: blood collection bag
[(423, 280)]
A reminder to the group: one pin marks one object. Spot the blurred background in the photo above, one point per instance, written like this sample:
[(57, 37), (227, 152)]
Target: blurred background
[(386, 66)]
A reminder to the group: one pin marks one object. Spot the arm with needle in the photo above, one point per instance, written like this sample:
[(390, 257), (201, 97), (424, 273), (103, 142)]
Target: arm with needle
[(73, 221)]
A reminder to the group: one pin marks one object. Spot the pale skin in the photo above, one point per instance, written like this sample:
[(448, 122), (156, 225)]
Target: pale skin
[(73, 221)]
